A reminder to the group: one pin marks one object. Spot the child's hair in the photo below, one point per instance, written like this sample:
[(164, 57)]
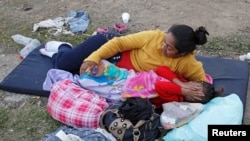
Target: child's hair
[(209, 92)]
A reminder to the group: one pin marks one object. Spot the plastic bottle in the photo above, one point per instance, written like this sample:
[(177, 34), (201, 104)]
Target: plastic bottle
[(21, 39), (29, 47)]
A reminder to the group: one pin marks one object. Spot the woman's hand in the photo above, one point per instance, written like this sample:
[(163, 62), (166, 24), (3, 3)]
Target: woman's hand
[(196, 86), (192, 91), (188, 85), (88, 67), (192, 95)]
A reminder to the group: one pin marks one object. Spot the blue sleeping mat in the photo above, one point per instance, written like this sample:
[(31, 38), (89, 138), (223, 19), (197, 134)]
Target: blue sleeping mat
[(29, 75), (230, 74)]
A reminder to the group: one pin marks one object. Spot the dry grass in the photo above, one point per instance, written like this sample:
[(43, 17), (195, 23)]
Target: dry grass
[(28, 122)]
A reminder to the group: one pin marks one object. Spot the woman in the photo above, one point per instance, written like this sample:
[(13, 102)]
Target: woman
[(141, 51)]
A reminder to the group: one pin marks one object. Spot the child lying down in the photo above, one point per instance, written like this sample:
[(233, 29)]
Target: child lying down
[(116, 83), (107, 82)]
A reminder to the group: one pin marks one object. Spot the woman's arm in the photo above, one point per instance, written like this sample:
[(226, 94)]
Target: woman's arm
[(119, 44)]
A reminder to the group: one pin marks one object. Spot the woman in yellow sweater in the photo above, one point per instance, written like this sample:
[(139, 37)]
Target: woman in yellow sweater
[(141, 51)]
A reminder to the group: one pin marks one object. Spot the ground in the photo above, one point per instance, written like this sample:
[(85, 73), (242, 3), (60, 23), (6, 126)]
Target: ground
[(221, 18)]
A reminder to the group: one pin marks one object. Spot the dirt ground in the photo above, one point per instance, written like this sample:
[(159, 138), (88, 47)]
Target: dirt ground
[(220, 17)]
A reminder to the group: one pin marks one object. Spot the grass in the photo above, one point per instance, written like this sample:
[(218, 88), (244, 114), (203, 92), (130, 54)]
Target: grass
[(30, 121), (42, 35), (235, 44)]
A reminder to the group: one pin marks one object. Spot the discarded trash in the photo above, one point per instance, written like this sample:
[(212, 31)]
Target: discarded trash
[(20, 39), (29, 44), (27, 8), (125, 17), (244, 57), (28, 48), (78, 21), (57, 24)]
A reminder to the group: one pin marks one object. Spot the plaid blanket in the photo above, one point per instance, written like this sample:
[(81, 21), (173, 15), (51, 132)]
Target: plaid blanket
[(74, 106)]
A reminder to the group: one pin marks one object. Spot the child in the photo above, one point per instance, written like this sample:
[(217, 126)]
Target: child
[(160, 87), (170, 91)]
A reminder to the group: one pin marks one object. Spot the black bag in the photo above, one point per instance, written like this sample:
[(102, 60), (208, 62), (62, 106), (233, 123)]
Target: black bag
[(134, 120)]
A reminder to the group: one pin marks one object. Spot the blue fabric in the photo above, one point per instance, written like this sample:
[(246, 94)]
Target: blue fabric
[(226, 110), (78, 21), (85, 134)]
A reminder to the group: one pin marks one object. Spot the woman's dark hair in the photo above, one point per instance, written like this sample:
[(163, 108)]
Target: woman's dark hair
[(186, 38)]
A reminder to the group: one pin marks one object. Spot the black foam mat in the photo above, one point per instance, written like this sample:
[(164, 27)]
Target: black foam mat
[(29, 75)]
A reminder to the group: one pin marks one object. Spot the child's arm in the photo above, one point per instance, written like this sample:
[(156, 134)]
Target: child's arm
[(165, 72), (169, 91), (178, 79)]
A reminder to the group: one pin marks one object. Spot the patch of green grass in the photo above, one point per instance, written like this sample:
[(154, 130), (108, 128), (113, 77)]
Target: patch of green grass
[(28, 122), (234, 44), (43, 35), (3, 116)]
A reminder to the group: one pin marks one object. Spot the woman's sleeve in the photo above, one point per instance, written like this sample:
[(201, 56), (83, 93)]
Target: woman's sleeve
[(192, 69), (119, 44)]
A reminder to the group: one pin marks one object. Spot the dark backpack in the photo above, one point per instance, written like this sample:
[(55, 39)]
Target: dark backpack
[(133, 120)]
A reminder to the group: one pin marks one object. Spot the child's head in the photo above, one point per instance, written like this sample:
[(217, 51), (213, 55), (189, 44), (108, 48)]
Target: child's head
[(209, 92)]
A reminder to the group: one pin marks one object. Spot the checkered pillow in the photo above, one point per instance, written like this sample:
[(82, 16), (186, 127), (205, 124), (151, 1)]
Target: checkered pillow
[(74, 106)]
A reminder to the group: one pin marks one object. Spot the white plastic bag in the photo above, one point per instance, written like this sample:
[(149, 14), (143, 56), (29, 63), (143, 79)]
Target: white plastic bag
[(176, 114)]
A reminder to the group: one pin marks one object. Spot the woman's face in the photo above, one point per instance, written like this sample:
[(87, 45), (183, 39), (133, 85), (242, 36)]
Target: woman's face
[(168, 46)]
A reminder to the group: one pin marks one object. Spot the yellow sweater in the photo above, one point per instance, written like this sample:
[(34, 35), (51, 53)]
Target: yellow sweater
[(146, 54)]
